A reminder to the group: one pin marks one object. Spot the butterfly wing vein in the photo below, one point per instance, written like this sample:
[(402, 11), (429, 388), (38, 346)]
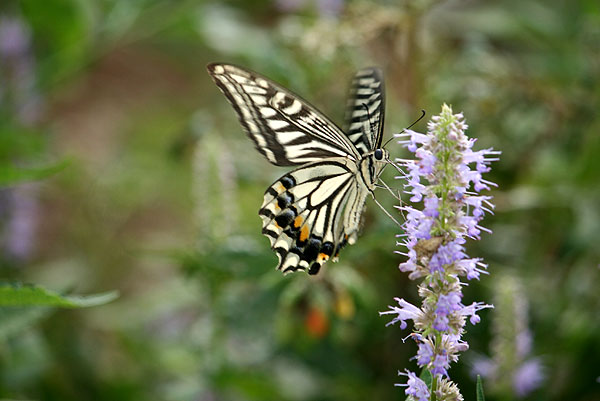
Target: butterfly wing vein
[(309, 218)]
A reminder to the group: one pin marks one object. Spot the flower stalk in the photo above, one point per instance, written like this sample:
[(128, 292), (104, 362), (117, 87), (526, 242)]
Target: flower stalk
[(512, 371), (445, 210)]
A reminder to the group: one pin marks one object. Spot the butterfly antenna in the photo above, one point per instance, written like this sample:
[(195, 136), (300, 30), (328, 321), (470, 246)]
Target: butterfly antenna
[(397, 197), (395, 166), (388, 141), (416, 121)]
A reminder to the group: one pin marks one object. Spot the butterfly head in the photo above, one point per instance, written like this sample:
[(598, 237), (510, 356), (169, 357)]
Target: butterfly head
[(381, 157), (372, 165)]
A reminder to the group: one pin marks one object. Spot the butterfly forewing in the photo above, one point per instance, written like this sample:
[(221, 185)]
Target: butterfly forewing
[(284, 128), (365, 110)]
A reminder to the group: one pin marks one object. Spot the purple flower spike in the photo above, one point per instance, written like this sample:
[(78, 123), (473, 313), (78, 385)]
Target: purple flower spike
[(512, 372), (443, 182)]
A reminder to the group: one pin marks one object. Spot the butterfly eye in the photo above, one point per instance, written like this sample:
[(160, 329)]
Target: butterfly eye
[(379, 154)]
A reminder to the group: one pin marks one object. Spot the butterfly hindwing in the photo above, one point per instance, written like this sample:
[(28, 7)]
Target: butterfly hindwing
[(365, 110), (311, 213), (285, 129)]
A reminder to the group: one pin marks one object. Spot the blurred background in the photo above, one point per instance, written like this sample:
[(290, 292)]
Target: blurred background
[(149, 188)]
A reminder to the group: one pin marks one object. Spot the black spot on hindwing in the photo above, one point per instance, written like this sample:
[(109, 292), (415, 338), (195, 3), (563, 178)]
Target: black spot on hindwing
[(285, 218), (311, 250)]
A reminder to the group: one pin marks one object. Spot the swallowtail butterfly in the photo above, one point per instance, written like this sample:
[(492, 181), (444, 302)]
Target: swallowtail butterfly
[(314, 211)]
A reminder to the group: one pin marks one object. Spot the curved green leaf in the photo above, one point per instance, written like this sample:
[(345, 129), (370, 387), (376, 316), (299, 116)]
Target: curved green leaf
[(10, 175), (34, 295)]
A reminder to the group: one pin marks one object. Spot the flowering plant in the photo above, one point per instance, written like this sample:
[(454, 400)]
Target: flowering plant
[(443, 180), (512, 370)]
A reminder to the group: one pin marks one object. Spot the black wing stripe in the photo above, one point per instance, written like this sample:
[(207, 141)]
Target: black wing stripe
[(274, 117), (250, 118), (300, 203), (365, 110), (305, 214)]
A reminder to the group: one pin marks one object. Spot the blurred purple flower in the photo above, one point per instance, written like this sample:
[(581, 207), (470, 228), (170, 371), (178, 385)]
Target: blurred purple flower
[(325, 8), (23, 103), (484, 367), (523, 343), (528, 377), (18, 70), (512, 372), (22, 222), (15, 37)]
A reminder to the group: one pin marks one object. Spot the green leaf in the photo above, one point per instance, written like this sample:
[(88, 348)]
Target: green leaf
[(34, 295), (10, 175), (479, 389), (427, 377)]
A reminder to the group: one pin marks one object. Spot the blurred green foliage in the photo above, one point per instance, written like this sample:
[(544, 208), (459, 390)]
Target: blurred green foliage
[(160, 194), (32, 295)]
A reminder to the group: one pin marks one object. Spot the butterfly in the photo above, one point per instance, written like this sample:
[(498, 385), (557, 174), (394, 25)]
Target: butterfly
[(312, 212)]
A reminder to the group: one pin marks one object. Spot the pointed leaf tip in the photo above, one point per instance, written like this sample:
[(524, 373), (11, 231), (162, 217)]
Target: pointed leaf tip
[(479, 389)]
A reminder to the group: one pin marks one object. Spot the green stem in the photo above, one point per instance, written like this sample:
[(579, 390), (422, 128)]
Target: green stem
[(434, 383)]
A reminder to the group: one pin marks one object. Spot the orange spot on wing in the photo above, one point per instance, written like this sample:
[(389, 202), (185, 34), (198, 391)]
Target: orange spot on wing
[(298, 221), (280, 188), (304, 234), (322, 257)]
